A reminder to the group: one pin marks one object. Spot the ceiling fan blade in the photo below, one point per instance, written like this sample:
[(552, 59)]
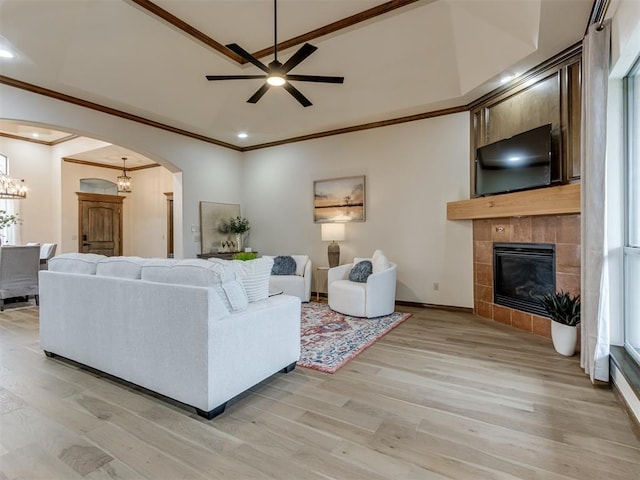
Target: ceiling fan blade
[(234, 47), (303, 52), (315, 78), (233, 77), (258, 95), (304, 101)]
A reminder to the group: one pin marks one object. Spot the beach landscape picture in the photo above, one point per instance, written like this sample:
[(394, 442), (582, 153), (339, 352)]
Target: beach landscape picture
[(339, 200)]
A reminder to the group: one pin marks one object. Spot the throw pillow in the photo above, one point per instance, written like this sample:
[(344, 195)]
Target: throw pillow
[(254, 275), (283, 265), (379, 261), (361, 271)]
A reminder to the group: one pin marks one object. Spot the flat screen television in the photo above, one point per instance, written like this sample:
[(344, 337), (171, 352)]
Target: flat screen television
[(521, 162)]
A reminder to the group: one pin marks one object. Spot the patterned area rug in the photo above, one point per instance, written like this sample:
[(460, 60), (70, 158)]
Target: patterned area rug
[(329, 340)]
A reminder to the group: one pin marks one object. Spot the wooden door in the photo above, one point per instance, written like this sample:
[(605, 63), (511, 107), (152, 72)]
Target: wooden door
[(100, 224)]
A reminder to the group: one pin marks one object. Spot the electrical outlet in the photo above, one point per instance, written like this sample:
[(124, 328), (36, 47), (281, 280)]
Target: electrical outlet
[(436, 286)]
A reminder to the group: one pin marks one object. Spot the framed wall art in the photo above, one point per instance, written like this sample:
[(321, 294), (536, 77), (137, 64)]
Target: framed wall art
[(212, 216), (339, 200)]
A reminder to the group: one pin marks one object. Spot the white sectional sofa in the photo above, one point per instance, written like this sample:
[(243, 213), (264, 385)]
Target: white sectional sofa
[(195, 331)]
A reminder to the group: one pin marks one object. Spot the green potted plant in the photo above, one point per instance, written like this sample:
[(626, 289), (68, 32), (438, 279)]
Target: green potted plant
[(6, 220), (564, 311), (238, 226)]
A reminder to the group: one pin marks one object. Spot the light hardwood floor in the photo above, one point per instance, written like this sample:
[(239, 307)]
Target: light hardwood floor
[(445, 395)]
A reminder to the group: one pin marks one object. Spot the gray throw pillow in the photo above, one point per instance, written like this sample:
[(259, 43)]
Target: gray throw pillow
[(283, 265), (361, 271)]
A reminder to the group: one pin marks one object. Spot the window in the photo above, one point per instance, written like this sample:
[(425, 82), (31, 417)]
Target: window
[(11, 233), (632, 221)]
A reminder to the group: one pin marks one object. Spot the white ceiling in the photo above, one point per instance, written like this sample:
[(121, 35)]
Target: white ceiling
[(422, 57)]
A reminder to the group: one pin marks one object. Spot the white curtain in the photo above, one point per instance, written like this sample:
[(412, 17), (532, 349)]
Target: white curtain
[(594, 356)]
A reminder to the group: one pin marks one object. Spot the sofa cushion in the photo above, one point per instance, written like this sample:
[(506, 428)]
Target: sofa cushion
[(283, 265), (361, 271), (76, 263), (254, 275), (121, 267), (379, 261), (200, 273)]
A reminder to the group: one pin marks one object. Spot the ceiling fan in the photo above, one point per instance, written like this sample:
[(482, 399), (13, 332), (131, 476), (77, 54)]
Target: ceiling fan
[(276, 73)]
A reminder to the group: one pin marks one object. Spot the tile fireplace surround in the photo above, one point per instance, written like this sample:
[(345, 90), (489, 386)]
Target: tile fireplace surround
[(561, 230)]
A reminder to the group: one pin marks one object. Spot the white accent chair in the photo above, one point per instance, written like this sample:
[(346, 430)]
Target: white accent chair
[(298, 285), (19, 267), (374, 298)]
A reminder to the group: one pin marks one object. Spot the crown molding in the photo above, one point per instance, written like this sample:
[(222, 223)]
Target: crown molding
[(12, 82)]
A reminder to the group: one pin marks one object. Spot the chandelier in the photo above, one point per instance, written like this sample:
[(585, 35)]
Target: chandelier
[(124, 181), (11, 188)]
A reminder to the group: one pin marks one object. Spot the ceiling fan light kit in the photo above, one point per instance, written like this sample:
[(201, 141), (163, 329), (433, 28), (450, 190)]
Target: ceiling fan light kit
[(276, 73)]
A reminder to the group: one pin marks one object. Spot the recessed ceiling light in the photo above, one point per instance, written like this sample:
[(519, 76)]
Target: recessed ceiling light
[(35, 134), (243, 135), (6, 53)]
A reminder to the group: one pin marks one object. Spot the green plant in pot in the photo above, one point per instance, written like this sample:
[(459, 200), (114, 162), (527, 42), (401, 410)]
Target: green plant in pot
[(238, 226), (564, 311)]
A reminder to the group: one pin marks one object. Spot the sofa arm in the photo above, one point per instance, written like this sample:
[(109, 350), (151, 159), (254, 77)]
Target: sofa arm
[(340, 272), (383, 281)]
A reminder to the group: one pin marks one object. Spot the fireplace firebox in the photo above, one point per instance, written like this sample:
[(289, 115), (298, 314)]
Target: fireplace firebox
[(522, 273)]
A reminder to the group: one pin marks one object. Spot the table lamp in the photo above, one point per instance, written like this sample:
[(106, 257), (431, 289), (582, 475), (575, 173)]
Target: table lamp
[(333, 232)]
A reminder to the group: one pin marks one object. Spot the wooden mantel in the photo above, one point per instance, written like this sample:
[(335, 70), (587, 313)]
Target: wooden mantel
[(559, 200)]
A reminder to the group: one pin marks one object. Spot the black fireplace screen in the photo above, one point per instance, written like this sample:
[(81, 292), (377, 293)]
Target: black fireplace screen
[(522, 273)]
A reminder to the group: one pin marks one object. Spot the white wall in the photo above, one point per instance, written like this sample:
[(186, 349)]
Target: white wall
[(207, 172), (147, 208), (412, 170)]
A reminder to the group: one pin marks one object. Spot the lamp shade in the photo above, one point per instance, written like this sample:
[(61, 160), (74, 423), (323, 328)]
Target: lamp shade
[(332, 232)]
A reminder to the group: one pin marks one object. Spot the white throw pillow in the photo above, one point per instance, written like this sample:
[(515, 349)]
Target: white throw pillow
[(379, 261), (254, 275)]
